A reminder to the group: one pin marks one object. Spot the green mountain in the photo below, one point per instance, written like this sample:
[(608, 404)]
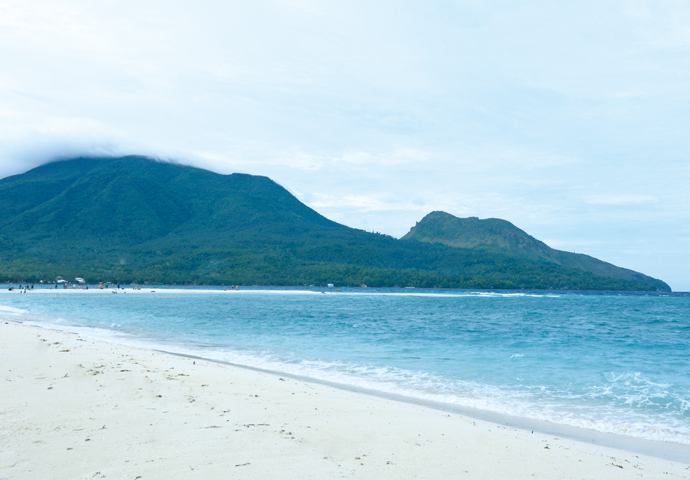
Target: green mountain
[(496, 235), (134, 219)]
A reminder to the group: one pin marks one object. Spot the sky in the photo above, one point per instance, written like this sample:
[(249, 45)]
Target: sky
[(569, 119)]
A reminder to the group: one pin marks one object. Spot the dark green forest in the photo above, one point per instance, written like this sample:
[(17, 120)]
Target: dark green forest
[(136, 220)]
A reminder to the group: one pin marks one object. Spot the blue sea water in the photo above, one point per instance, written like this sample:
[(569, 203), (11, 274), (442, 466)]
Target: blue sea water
[(616, 363)]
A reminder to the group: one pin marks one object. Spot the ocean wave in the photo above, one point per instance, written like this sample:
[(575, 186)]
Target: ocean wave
[(547, 405), (12, 310)]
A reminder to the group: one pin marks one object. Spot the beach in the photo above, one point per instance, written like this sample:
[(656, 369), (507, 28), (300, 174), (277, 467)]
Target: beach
[(77, 407)]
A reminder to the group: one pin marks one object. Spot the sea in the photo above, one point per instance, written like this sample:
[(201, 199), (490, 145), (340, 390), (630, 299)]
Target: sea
[(607, 362)]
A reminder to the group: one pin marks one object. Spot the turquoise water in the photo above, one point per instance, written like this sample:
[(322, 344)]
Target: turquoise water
[(612, 363)]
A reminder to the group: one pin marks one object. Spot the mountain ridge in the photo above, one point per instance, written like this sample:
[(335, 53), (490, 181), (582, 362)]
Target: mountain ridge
[(134, 219)]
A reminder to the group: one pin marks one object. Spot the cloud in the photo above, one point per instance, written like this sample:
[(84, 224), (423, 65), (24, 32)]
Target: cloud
[(614, 199), (365, 203), (397, 157), (30, 151)]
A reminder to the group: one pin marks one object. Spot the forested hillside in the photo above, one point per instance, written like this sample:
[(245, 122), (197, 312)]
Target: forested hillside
[(134, 219)]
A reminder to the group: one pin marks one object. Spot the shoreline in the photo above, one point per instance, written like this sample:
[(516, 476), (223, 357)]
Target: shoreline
[(345, 289), (662, 449), (337, 412)]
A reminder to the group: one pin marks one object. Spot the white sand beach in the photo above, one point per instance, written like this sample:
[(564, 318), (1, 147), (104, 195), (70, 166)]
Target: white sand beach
[(76, 408)]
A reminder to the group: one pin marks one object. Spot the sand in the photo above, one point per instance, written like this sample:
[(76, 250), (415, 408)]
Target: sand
[(72, 407)]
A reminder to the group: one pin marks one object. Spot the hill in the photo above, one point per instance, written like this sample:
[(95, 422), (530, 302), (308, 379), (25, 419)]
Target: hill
[(496, 235), (133, 219)]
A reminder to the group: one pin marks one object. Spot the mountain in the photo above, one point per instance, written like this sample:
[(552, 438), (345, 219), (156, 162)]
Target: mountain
[(496, 235), (134, 219)]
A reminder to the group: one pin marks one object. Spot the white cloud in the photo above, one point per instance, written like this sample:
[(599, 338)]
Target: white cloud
[(365, 203), (613, 199), (397, 157)]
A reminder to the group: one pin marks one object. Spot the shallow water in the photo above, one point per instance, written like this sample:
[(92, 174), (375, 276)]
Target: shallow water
[(608, 362)]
